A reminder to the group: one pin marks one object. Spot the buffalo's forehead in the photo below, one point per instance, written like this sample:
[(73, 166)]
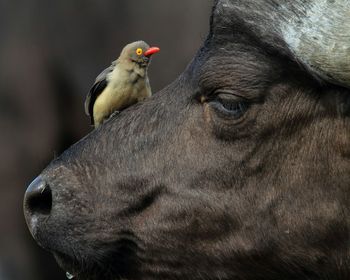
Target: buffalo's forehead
[(265, 21), (272, 10), (286, 20), (297, 27), (269, 23)]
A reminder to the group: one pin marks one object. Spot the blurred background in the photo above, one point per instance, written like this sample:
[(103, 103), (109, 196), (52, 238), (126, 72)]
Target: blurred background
[(50, 54)]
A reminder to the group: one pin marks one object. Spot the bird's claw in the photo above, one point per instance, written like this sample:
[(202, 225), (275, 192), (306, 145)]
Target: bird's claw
[(114, 114)]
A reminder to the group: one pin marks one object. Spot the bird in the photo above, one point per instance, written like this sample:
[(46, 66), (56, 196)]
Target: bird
[(124, 83)]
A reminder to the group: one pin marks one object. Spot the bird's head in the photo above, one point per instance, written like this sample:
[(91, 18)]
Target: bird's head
[(139, 52)]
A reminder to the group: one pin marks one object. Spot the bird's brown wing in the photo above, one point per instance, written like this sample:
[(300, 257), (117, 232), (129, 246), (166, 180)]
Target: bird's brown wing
[(97, 88)]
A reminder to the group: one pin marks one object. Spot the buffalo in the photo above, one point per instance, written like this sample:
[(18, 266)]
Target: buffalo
[(239, 169)]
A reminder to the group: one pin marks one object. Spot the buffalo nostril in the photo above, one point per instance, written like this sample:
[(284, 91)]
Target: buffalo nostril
[(38, 198)]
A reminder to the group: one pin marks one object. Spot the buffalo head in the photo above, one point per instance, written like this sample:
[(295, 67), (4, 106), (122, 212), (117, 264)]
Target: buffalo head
[(240, 169)]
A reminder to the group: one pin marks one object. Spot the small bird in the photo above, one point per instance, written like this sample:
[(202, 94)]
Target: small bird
[(122, 84)]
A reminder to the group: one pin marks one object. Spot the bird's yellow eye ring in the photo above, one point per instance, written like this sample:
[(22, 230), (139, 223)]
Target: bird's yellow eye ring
[(139, 51)]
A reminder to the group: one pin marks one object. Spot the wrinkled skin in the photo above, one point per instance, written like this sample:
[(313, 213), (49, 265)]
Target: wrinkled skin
[(178, 187)]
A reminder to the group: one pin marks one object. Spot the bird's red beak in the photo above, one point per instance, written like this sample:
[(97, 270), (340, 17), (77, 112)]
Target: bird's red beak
[(151, 51)]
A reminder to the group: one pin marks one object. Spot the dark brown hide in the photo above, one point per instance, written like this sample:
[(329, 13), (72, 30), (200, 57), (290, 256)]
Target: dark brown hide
[(238, 170)]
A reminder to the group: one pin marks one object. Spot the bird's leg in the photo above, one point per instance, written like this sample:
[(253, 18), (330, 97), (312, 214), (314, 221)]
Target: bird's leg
[(113, 114), (108, 117)]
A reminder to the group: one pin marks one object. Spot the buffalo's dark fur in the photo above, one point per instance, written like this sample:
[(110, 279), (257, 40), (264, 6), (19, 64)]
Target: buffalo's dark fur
[(175, 188)]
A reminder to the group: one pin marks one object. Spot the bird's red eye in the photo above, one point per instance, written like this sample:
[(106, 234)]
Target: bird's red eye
[(139, 51)]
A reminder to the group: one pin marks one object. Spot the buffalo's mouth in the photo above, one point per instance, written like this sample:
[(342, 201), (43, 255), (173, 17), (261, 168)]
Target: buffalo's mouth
[(81, 269), (90, 259), (116, 260), (72, 267)]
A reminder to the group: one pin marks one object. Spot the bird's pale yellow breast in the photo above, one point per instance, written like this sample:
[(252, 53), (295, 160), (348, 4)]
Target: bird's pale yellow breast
[(123, 90)]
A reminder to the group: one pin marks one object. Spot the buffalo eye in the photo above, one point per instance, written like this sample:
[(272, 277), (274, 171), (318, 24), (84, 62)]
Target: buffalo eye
[(228, 105), (229, 114)]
